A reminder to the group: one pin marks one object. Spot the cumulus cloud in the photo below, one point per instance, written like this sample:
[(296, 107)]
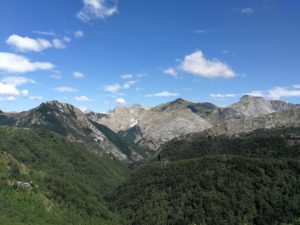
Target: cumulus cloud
[(25, 92), (26, 44), (171, 71), (65, 89), (13, 63), (82, 98), (17, 80), (163, 94), (279, 92), (78, 75), (58, 43), (129, 83), (116, 88), (78, 34), (198, 65), (97, 9), (247, 11), (8, 89), (273, 93), (121, 101), (113, 89)]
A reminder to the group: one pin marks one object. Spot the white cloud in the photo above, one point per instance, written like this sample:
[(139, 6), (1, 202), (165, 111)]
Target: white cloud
[(121, 101), (198, 65), (82, 98), (8, 89), (78, 75), (57, 43), (129, 83), (13, 63), (26, 44), (47, 33), (38, 98), (114, 89), (163, 94), (297, 86), (223, 95), (25, 93), (274, 93), (65, 89), (17, 81), (127, 76), (171, 71), (247, 11), (279, 92), (97, 9), (8, 99), (78, 34), (256, 93)]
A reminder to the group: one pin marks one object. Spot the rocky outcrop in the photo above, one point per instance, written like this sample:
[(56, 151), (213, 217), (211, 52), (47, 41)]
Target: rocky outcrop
[(120, 118), (252, 106), (157, 128), (287, 118)]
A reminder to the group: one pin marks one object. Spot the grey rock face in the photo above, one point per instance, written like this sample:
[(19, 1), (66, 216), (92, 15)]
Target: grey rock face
[(120, 118), (287, 118), (251, 106), (157, 127)]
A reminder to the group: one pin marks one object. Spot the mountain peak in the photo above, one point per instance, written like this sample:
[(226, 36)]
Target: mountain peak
[(179, 100), (246, 98)]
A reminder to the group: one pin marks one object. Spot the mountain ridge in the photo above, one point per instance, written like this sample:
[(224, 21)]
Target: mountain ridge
[(150, 128)]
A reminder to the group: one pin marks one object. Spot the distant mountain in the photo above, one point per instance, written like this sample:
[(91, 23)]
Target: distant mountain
[(119, 131), (167, 121), (121, 118), (252, 106), (68, 121)]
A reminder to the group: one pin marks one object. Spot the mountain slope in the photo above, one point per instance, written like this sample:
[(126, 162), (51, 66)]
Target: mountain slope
[(167, 121), (222, 190), (62, 173), (120, 118), (252, 106), (250, 179), (289, 118), (65, 120)]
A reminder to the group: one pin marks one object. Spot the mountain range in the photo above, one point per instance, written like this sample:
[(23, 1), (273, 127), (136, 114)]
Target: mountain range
[(176, 163), (137, 132)]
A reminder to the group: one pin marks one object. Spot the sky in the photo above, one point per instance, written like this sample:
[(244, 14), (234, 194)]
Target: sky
[(98, 54)]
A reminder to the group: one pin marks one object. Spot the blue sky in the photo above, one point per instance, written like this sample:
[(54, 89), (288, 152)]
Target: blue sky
[(97, 54)]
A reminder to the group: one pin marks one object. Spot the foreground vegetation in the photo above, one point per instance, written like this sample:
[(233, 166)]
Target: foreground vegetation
[(68, 182), (251, 179)]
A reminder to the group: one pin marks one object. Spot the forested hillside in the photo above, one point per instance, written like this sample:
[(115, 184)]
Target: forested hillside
[(64, 181), (250, 179)]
